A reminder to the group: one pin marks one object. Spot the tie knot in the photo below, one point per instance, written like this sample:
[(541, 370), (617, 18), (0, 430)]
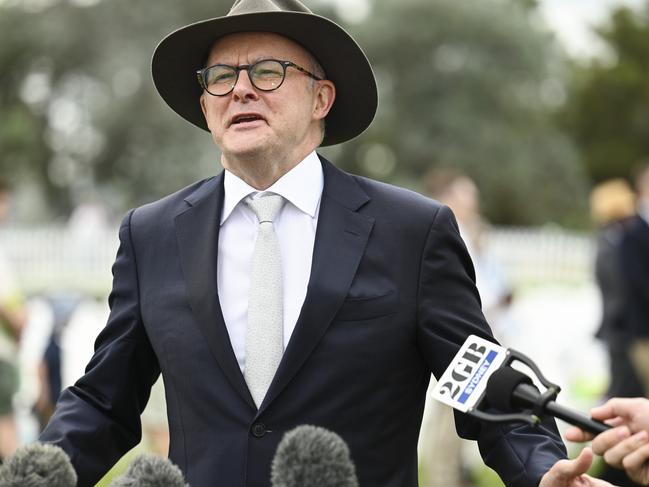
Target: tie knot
[(266, 207)]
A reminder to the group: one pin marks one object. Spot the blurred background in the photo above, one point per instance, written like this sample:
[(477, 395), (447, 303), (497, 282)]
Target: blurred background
[(510, 111)]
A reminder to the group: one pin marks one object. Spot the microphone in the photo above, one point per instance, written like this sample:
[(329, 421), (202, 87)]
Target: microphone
[(148, 470), (310, 456), (510, 390), (480, 377), (38, 465)]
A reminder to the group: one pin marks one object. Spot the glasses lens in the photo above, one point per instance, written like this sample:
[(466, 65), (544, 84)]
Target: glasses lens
[(267, 75), (220, 79)]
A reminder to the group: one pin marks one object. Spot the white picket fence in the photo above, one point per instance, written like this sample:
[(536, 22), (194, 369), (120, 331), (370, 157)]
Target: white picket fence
[(47, 258), (50, 258), (543, 255)]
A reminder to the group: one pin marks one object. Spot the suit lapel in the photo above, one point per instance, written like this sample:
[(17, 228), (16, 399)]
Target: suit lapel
[(340, 241), (197, 231)]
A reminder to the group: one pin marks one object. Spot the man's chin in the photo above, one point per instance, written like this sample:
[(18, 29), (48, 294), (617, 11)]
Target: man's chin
[(244, 141), (248, 150)]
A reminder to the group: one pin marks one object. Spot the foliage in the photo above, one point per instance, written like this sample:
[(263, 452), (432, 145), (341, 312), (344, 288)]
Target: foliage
[(79, 111), (473, 85), (608, 112), (462, 83)]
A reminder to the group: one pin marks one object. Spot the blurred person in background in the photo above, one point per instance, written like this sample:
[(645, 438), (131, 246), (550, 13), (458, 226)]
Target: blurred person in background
[(440, 447), (13, 318), (634, 255), (63, 304), (460, 193), (626, 444), (612, 205)]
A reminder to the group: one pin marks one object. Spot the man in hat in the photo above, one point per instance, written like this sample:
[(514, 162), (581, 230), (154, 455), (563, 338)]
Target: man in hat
[(283, 291)]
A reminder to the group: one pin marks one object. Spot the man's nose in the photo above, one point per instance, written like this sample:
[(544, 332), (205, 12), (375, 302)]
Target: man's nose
[(244, 89)]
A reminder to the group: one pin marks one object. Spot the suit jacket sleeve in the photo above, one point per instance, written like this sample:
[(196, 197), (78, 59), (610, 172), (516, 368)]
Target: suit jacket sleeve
[(98, 419), (448, 311)]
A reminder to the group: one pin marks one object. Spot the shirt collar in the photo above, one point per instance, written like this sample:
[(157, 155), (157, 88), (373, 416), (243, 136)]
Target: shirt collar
[(302, 186)]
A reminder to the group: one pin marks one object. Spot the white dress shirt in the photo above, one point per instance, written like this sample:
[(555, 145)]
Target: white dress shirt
[(295, 226)]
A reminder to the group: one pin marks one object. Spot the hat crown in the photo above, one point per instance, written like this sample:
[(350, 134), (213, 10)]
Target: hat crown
[(241, 7)]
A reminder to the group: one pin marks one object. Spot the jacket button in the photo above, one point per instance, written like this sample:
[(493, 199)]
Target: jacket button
[(258, 430)]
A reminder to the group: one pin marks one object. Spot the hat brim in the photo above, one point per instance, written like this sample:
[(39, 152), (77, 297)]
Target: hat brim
[(184, 51)]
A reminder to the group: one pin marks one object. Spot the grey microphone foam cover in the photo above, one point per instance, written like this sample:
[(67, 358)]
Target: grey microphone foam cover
[(150, 471), (310, 456), (38, 465)]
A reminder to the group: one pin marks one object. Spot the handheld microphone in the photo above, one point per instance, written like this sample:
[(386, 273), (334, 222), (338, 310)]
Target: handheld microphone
[(510, 390), (150, 471), (480, 375), (38, 465), (310, 456)]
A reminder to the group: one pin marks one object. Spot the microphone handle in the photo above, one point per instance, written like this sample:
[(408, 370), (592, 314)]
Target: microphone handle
[(528, 395), (575, 418)]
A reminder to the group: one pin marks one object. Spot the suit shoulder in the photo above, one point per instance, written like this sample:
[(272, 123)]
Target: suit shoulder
[(165, 209), (401, 198)]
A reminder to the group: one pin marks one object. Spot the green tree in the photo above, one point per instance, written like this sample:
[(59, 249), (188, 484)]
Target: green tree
[(608, 112), (474, 85), (463, 83), (80, 113)]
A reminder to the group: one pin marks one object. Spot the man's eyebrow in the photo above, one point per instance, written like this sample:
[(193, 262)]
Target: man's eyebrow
[(254, 60)]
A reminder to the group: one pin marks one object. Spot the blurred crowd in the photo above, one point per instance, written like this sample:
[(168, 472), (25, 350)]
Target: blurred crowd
[(622, 275), (13, 318), (46, 340)]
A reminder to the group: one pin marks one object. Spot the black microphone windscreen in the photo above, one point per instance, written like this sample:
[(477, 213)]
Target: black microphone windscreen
[(38, 465), (501, 386), (150, 471), (310, 456)]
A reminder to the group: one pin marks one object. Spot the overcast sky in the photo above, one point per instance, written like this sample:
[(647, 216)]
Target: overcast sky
[(572, 20)]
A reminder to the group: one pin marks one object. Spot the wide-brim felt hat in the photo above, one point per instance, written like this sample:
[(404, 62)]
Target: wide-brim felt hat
[(184, 51)]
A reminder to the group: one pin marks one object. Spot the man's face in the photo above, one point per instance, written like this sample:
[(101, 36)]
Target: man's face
[(284, 122)]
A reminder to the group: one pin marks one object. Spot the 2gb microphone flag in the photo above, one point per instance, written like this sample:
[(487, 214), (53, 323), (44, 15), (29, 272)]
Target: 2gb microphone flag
[(464, 381)]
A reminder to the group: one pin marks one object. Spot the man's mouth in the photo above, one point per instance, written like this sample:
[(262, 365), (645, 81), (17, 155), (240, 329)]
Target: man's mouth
[(244, 118)]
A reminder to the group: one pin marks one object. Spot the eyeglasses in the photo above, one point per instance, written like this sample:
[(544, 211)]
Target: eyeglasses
[(265, 75)]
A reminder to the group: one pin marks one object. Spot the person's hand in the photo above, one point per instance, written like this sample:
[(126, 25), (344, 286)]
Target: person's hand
[(572, 473), (636, 460), (622, 449), (632, 412), (626, 445)]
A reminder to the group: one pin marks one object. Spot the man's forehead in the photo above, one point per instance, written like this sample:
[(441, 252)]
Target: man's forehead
[(254, 46)]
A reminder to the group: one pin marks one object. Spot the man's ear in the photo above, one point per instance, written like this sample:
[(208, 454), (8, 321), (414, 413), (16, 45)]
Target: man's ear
[(203, 108), (325, 97)]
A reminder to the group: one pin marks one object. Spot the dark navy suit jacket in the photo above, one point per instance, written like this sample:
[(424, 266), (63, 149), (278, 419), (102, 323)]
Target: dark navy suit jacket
[(634, 254), (391, 298)]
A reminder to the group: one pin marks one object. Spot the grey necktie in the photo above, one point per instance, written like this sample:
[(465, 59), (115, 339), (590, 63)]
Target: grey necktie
[(265, 331)]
